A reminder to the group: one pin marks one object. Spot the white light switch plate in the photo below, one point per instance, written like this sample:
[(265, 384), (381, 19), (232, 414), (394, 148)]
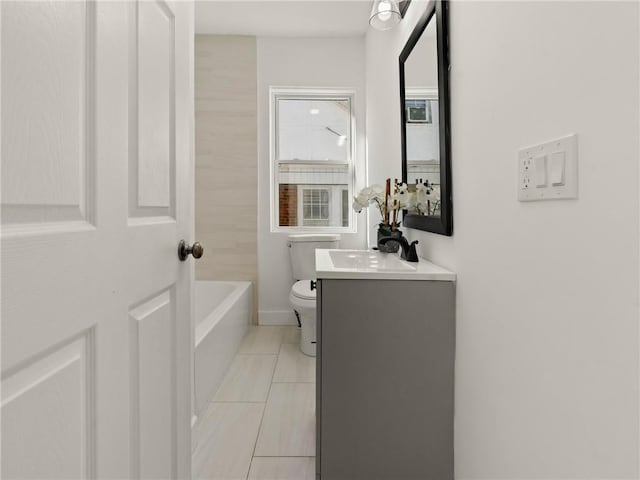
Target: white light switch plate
[(529, 188)]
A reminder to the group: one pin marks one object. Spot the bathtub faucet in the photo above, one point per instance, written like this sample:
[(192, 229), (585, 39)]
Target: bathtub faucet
[(408, 250)]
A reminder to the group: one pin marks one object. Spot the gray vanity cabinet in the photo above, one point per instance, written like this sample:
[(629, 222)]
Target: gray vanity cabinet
[(385, 363)]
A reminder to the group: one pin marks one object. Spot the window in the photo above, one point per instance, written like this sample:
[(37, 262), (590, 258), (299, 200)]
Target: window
[(315, 207), (311, 159), (418, 111)]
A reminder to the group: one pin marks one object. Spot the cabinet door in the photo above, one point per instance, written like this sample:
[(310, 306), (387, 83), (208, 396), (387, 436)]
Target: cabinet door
[(386, 379)]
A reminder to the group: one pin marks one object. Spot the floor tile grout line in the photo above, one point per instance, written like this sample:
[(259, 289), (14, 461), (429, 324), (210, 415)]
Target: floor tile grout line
[(296, 361), (203, 444), (224, 379), (264, 410), (277, 361)]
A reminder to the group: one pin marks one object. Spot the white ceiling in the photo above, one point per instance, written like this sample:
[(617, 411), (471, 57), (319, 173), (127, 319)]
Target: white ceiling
[(288, 18)]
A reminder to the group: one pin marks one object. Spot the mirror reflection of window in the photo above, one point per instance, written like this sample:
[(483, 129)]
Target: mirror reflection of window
[(421, 110), (423, 143), (418, 110)]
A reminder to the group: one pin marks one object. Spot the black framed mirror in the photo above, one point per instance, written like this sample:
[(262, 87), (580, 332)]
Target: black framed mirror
[(425, 129)]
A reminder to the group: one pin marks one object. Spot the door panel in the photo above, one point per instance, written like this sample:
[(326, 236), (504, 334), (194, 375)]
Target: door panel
[(153, 335), (153, 164), (47, 128), (43, 400)]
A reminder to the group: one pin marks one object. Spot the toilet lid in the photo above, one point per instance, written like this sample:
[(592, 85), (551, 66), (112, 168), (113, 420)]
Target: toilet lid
[(302, 289)]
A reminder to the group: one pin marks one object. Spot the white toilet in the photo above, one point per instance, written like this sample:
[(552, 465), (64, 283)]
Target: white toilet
[(302, 250)]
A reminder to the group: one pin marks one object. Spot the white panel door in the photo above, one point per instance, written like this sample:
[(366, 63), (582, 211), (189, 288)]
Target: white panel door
[(97, 182)]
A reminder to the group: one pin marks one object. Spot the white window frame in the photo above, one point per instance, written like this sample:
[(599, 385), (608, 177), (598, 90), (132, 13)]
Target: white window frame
[(294, 93)]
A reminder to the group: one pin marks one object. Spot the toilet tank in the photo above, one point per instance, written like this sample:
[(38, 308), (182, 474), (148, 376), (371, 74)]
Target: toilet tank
[(302, 252)]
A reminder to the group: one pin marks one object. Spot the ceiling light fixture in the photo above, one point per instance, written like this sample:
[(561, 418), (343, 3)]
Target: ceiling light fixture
[(385, 14)]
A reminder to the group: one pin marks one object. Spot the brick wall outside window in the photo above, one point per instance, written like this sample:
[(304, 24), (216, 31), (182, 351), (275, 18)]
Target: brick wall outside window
[(288, 204)]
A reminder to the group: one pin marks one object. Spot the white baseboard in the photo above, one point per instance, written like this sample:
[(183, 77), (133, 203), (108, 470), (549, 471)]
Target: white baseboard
[(277, 317)]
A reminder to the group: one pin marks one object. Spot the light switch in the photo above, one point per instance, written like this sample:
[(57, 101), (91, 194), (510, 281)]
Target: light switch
[(540, 166), (549, 170), (557, 169)]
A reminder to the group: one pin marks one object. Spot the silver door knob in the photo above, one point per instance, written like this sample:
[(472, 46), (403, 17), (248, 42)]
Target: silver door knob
[(184, 250)]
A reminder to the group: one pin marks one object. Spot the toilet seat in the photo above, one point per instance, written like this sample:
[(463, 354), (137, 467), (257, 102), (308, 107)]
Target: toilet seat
[(302, 305), (302, 290)]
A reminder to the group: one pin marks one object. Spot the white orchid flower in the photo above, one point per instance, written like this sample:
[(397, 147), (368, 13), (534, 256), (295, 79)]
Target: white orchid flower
[(357, 206), (363, 198), (406, 199), (373, 195), (434, 194), (377, 194), (422, 197), (369, 196)]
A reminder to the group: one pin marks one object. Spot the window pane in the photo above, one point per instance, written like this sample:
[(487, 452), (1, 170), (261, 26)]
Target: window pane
[(315, 184), (316, 207), (317, 129)]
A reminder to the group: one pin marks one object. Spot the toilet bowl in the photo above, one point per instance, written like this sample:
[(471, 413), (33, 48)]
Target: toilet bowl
[(302, 249), (303, 301)]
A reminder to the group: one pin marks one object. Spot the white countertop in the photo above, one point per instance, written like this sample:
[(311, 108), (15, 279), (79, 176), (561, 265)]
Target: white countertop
[(373, 265)]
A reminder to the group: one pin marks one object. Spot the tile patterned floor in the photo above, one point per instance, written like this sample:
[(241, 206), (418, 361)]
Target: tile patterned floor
[(261, 422)]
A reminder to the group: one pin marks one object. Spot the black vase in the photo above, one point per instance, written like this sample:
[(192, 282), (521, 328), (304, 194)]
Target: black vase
[(391, 246)]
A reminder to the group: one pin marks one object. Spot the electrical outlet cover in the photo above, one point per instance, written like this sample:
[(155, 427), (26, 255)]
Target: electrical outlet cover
[(527, 189)]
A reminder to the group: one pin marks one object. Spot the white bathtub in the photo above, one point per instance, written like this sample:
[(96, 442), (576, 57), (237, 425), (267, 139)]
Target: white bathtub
[(222, 314)]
